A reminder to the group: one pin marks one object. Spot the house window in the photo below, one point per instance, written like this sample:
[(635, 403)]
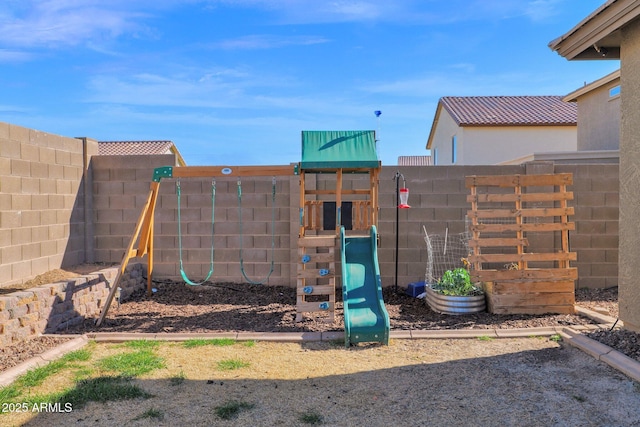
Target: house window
[(454, 149), (435, 156), (614, 91)]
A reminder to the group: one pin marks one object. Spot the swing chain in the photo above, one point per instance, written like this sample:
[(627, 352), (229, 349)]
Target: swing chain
[(213, 204), (273, 221)]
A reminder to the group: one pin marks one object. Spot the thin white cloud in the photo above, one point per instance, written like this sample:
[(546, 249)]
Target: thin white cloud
[(541, 10), (267, 42), (61, 23)]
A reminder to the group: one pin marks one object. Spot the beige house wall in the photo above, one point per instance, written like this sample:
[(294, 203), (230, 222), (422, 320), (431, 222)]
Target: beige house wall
[(599, 119), (446, 128), (629, 291), (42, 202), (489, 145)]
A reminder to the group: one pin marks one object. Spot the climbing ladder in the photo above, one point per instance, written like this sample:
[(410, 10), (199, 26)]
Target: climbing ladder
[(316, 280)]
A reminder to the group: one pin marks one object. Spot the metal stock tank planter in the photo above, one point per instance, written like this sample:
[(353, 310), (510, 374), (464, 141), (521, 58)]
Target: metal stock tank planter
[(455, 294), (455, 304)]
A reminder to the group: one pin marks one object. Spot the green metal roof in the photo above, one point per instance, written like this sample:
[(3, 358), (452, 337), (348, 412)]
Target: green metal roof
[(339, 149)]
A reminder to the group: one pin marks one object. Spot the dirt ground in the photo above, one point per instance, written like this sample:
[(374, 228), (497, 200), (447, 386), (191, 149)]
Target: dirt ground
[(504, 382)]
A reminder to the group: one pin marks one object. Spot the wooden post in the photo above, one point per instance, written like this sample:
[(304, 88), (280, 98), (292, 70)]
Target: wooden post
[(145, 225)]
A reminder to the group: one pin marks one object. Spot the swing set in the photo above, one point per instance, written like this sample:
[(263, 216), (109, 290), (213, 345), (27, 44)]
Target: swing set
[(144, 230)]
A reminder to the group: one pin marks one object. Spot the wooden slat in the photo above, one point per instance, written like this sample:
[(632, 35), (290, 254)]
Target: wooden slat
[(497, 242), (314, 273), (535, 274), (317, 242), (217, 171), (519, 180), (543, 226), (309, 307), (524, 257), (344, 191), (318, 290), (327, 257), (529, 287), (526, 197), (532, 299), (513, 213)]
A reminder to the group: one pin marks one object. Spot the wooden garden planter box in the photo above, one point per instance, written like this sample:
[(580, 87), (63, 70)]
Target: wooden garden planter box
[(507, 212)]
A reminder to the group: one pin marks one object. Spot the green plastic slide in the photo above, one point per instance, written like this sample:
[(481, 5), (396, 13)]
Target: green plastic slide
[(365, 316)]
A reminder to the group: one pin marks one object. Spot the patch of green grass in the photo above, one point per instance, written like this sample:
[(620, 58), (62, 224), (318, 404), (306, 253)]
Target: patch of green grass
[(250, 343), (231, 409), (35, 377), (150, 413), (142, 344), (132, 364), (485, 338), (555, 338), (201, 342), (177, 379), (310, 417), (9, 392), (81, 355), (231, 364), (102, 389)]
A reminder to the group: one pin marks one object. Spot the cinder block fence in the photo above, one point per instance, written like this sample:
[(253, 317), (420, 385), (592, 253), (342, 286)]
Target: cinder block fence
[(61, 204)]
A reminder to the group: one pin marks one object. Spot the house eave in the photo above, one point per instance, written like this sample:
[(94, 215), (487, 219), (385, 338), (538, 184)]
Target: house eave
[(598, 35), (573, 96)]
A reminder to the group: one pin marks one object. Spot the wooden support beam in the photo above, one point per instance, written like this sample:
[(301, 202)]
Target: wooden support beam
[(144, 223), (219, 171)]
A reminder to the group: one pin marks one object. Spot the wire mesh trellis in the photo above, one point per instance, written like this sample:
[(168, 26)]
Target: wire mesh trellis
[(445, 252)]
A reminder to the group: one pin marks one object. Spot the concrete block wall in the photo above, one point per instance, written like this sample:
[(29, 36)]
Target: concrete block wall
[(595, 239), (57, 306), (42, 202), (244, 229), (121, 186), (437, 198)]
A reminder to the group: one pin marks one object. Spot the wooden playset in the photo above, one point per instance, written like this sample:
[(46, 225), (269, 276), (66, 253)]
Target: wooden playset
[(325, 213)]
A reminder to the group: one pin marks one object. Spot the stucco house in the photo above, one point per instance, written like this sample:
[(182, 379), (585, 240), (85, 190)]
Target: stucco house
[(489, 130), (598, 113), (612, 31)]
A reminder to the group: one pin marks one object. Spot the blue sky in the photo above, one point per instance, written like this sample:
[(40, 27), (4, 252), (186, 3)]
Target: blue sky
[(234, 82)]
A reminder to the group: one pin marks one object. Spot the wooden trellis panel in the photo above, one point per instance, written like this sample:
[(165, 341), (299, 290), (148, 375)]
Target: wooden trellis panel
[(507, 212)]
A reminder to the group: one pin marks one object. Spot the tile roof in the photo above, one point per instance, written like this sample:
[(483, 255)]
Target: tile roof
[(510, 110), (414, 160), (130, 148)]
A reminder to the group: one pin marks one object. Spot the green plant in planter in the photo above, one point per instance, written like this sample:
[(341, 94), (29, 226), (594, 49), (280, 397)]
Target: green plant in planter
[(457, 282)]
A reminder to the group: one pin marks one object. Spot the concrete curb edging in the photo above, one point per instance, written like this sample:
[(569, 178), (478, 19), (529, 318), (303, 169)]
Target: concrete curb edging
[(10, 375), (603, 353)]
